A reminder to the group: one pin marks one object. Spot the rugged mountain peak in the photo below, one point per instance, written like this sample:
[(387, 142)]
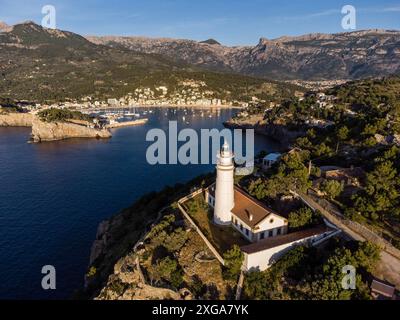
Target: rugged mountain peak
[(334, 36), (211, 41), (29, 22), (29, 34)]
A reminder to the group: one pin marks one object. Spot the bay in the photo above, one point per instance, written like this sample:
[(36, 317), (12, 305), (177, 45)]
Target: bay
[(53, 195)]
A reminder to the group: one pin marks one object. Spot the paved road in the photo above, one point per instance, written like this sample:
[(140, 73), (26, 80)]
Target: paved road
[(389, 266)]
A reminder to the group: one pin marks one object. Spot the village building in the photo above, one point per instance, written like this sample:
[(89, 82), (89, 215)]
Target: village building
[(270, 160), (382, 291)]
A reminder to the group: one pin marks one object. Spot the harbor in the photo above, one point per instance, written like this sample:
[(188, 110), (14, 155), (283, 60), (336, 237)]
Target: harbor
[(112, 118)]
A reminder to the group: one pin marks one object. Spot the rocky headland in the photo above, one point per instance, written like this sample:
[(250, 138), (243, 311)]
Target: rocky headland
[(51, 131), (131, 246)]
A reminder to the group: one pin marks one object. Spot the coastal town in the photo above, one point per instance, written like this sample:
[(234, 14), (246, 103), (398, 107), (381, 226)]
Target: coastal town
[(190, 93)]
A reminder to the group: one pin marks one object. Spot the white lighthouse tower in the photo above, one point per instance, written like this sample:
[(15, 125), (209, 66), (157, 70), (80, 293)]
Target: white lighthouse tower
[(224, 192)]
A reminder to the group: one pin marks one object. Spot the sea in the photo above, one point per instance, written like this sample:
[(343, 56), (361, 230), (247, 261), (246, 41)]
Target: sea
[(53, 195)]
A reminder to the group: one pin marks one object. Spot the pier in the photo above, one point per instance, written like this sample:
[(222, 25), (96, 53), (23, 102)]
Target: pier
[(127, 123)]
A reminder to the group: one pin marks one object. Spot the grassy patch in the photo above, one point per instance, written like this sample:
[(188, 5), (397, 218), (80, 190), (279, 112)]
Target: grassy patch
[(222, 238)]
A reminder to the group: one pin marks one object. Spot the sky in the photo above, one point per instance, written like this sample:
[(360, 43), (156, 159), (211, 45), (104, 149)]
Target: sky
[(231, 22)]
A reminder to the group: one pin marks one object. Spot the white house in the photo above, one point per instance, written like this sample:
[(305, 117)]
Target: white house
[(260, 256), (270, 160), (266, 230)]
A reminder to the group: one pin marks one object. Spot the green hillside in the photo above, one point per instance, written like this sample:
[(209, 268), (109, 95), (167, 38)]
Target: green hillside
[(44, 65)]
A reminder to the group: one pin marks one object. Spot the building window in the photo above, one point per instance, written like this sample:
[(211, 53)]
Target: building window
[(241, 227), (262, 236), (236, 222), (247, 232), (271, 234), (279, 232)]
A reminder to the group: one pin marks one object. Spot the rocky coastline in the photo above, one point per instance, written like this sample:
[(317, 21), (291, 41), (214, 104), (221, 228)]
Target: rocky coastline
[(276, 132), (112, 256), (51, 131), (16, 119)]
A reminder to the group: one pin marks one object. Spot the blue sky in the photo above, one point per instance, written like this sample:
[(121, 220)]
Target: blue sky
[(232, 22)]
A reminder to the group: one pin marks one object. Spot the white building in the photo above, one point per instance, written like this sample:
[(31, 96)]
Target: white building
[(113, 102), (270, 160), (266, 230)]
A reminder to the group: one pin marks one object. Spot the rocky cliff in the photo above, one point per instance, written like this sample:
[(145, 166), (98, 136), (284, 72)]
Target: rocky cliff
[(279, 133), (129, 245), (16, 120), (46, 131), (282, 134)]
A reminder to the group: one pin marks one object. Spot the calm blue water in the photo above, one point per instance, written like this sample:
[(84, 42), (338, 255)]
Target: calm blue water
[(53, 196)]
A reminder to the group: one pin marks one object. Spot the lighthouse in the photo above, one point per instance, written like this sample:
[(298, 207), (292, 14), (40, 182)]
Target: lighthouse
[(224, 191)]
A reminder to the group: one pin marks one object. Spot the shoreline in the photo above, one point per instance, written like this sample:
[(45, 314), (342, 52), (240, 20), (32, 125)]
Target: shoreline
[(211, 107)]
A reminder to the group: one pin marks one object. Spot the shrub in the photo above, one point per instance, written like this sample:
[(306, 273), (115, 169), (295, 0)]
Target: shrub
[(301, 218), (169, 270), (60, 115), (233, 262), (332, 188), (92, 272)]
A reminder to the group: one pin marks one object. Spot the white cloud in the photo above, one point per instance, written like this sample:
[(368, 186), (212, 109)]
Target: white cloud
[(324, 13), (392, 9)]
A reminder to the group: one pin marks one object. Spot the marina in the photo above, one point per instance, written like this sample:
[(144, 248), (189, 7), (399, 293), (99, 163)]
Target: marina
[(138, 115)]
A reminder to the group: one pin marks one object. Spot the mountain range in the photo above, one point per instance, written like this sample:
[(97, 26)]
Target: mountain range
[(41, 64), (352, 55)]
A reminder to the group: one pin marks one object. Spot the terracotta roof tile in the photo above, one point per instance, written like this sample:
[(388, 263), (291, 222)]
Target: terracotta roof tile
[(246, 206)]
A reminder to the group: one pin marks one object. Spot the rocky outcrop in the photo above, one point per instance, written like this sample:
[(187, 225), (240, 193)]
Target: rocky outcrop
[(249, 122), (51, 131), (100, 243), (279, 133), (126, 283), (282, 134), (16, 120)]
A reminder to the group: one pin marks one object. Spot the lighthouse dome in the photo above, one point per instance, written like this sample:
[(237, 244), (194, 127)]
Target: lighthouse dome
[(225, 157)]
